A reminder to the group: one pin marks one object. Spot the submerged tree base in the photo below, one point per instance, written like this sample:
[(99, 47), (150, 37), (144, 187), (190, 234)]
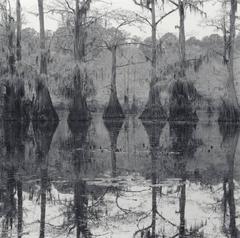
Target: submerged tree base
[(153, 109), (182, 95), (43, 109), (79, 110), (79, 114), (16, 107), (114, 109), (228, 112)]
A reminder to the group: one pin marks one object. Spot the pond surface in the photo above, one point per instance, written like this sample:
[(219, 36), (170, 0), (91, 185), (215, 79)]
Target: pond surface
[(119, 179)]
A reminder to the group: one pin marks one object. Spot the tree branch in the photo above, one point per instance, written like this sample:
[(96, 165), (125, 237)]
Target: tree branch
[(167, 14)]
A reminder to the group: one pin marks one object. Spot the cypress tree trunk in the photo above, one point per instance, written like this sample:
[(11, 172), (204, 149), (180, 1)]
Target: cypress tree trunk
[(79, 110), (229, 109), (43, 109), (153, 108), (114, 109), (181, 108), (19, 29)]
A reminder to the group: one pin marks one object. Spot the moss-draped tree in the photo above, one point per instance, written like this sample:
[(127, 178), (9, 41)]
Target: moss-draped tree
[(153, 108), (43, 109), (79, 110), (229, 109), (183, 92)]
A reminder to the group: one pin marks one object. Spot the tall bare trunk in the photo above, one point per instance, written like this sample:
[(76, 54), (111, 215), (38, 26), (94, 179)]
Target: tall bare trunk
[(154, 45), (182, 47), (231, 87), (43, 59), (19, 29), (114, 66), (11, 33), (79, 32)]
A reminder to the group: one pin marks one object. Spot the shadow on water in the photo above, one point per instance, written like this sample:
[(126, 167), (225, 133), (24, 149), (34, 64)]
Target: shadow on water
[(80, 160), (114, 127), (14, 140), (43, 134), (230, 134)]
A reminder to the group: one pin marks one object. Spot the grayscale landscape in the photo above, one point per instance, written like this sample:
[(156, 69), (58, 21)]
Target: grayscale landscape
[(119, 119)]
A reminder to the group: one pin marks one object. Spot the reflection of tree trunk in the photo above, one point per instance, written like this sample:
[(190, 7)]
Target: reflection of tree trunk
[(81, 203), (113, 128), (44, 184), (154, 191), (80, 158), (114, 108), (154, 131), (183, 147), (230, 141), (114, 160), (182, 203), (43, 134), (153, 108), (20, 209)]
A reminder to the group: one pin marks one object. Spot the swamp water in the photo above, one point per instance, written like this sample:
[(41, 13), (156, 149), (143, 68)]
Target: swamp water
[(119, 179)]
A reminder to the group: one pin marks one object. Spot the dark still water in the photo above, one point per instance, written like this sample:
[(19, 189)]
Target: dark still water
[(119, 179)]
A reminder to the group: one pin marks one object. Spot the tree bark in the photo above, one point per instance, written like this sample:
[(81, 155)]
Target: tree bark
[(182, 40), (231, 86), (43, 59), (19, 29)]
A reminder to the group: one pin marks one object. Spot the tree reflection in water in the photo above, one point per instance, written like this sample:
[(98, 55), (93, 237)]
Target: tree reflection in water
[(154, 130), (113, 127), (13, 160), (230, 133), (183, 148), (80, 160), (43, 134)]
